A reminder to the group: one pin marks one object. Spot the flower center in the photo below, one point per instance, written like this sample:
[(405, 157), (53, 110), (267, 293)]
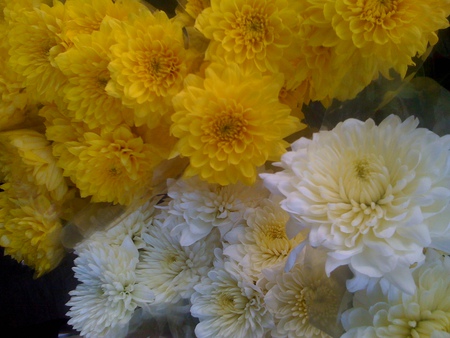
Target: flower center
[(226, 301), (170, 259), (274, 231), (362, 168), (228, 126), (364, 179), (161, 69), (376, 11), (252, 29)]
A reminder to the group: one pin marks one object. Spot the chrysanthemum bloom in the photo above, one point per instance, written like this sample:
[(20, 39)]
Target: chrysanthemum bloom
[(388, 33), (195, 7), (86, 66), (30, 232), (109, 292), (111, 166), (231, 123), (251, 33), (263, 242), (130, 223), (426, 313), (86, 16), (296, 296), (35, 40), (149, 64), (374, 196), (196, 207), (170, 270), (322, 61), (26, 158), (228, 304), (62, 128)]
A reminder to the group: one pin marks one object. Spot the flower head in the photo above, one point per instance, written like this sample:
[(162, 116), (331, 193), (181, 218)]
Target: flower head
[(388, 33), (109, 292), (30, 231), (374, 196), (27, 163), (111, 166), (196, 207), (251, 33), (170, 270), (263, 241), (230, 123), (85, 16), (148, 65), (86, 66), (425, 313), (35, 40), (228, 304), (298, 296)]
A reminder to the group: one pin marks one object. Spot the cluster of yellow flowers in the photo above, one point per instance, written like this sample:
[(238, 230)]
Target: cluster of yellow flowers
[(97, 96)]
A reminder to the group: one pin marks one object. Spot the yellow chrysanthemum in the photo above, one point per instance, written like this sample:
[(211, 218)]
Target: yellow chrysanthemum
[(111, 166), (230, 123), (26, 158), (86, 67), (149, 63), (35, 40), (194, 7), (86, 16), (252, 33), (389, 32), (31, 232)]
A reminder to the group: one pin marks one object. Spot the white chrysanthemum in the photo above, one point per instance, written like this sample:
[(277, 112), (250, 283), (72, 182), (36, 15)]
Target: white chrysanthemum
[(131, 224), (228, 304), (393, 313), (203, 206), (172, 270), (262, 241), (375, 196), (108, 293), (291, 298)]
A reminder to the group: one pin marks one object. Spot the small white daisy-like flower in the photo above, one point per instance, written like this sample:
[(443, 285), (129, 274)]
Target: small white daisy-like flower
[(131, 224), (304, 299), (262, 241), (169, 269), (108, 294), (228, 304), (393, 313), (203, 206), (374, 196)]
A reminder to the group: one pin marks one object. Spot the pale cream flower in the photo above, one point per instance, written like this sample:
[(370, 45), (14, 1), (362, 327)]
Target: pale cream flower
[(393, 313), (228, 304), (109, 292), (200, 206), (169, 269), (262, 240), (374, 196)]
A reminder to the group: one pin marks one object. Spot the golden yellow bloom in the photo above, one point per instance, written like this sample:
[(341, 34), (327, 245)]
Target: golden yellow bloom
[(35, 40), (86, 66), (230, 123), (252, 33), (111, 166), (31, 232), (149, 63), (26, 158), (85, 16), (389, 32), (195, 7)]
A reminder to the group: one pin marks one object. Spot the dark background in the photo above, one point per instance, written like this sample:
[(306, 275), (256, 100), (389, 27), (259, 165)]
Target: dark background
[(36, 307)]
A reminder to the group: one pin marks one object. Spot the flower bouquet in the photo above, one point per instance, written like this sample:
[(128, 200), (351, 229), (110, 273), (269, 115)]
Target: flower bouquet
[(234, 168)]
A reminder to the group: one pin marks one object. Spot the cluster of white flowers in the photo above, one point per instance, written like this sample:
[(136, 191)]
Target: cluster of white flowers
[(355, 225)]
